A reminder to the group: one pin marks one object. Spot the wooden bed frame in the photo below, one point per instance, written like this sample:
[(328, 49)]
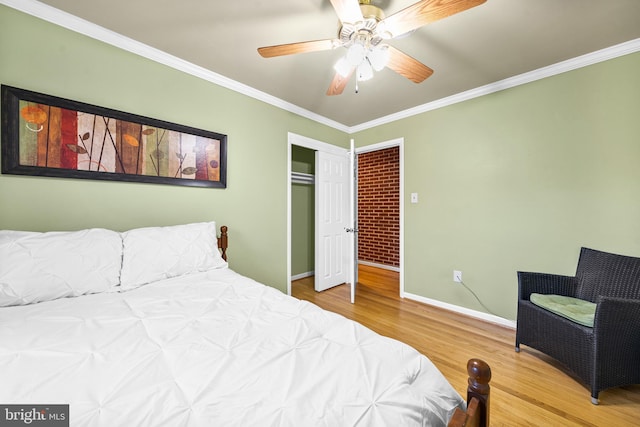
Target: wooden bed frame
[(223, 242), (478, 391), (477, 414)]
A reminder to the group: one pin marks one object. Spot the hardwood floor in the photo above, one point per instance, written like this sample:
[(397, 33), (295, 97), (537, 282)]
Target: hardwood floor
[(527, 388)]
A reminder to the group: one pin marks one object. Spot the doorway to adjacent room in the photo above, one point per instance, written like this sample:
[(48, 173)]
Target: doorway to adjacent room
[(380, 218)]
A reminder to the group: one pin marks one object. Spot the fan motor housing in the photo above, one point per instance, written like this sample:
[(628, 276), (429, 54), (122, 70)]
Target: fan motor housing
[(365, 29), (370, 11)]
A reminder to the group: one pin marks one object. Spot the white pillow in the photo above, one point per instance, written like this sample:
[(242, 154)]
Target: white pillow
[(156, 253), (37, 267), (8, 236)]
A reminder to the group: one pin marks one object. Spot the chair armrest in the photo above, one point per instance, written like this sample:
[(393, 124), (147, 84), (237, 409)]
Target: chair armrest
[(616, 328), (615, 314), (544, 283)]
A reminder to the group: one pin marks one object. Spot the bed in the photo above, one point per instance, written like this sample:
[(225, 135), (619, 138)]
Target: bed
[(150, 327)]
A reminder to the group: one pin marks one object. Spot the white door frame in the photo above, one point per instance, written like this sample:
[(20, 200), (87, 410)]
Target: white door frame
[(398, 142), (352, 238), (302, 141)]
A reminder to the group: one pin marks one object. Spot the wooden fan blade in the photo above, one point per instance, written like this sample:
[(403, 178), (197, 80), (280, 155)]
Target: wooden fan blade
[(407, 66), (339, 83), (301, 47), (347, 10), (422, 13)]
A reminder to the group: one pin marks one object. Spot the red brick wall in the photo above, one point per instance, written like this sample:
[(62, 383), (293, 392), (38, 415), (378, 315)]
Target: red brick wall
[(379, 207)]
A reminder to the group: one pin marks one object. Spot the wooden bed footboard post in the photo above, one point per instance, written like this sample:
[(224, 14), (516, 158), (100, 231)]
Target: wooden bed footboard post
[(223, 242), (477, 414), (479, 377)]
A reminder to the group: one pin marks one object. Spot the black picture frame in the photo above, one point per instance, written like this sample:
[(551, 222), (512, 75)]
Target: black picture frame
[(44, 135)]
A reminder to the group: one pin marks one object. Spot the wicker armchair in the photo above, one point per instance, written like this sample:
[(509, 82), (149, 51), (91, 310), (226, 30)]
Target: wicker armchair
[(607, 355)]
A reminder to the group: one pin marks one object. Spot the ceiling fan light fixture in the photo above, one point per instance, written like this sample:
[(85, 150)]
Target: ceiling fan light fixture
[(379, 57), (364, 71), (363, 30), (343, 67), (356, 53)]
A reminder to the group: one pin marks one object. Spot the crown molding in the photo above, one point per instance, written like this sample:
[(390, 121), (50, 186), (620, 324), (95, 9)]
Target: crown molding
[(89, 29), (605, 54)]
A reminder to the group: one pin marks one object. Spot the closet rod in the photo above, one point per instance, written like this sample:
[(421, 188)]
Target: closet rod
[(302, 178)]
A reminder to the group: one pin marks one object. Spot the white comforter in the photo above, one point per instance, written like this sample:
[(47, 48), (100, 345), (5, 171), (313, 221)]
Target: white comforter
[(213, 349)]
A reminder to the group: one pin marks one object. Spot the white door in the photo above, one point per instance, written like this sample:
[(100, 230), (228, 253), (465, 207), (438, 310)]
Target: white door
[(332, 249)]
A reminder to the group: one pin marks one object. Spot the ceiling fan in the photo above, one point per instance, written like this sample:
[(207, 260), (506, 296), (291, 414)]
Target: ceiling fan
[(364, 31)]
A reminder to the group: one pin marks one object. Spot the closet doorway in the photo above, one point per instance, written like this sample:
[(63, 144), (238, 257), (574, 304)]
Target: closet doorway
[(331, 244), (380, 196), (302, 212)]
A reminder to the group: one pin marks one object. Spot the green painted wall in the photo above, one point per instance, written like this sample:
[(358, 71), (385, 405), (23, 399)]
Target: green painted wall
[(520, 180), (303, 159), (302, 228), (43, 57)]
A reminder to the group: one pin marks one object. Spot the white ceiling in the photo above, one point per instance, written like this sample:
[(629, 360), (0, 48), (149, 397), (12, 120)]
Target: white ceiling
[(483, 45)]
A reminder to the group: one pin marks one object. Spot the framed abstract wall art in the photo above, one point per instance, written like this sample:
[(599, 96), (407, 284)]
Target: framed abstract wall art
[(44, 135)]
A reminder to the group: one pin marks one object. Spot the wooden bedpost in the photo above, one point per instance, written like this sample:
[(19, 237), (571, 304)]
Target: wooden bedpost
[(222, 242), (479, 377), (478, 389)]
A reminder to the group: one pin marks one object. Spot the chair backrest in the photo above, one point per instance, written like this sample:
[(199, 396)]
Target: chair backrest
[(606, 274)]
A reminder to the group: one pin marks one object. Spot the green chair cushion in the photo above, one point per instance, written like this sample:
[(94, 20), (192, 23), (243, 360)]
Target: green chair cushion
[(574, 309)]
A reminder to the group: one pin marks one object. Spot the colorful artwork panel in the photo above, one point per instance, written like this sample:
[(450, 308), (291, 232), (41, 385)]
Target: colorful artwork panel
[(49, 136)]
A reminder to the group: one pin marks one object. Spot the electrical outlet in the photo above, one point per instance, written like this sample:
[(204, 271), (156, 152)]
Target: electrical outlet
[(457, 276)]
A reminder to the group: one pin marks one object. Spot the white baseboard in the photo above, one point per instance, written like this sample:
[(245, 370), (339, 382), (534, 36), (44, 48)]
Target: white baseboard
[(302, 275), (451, 307), (383, 266), (462, 310)]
